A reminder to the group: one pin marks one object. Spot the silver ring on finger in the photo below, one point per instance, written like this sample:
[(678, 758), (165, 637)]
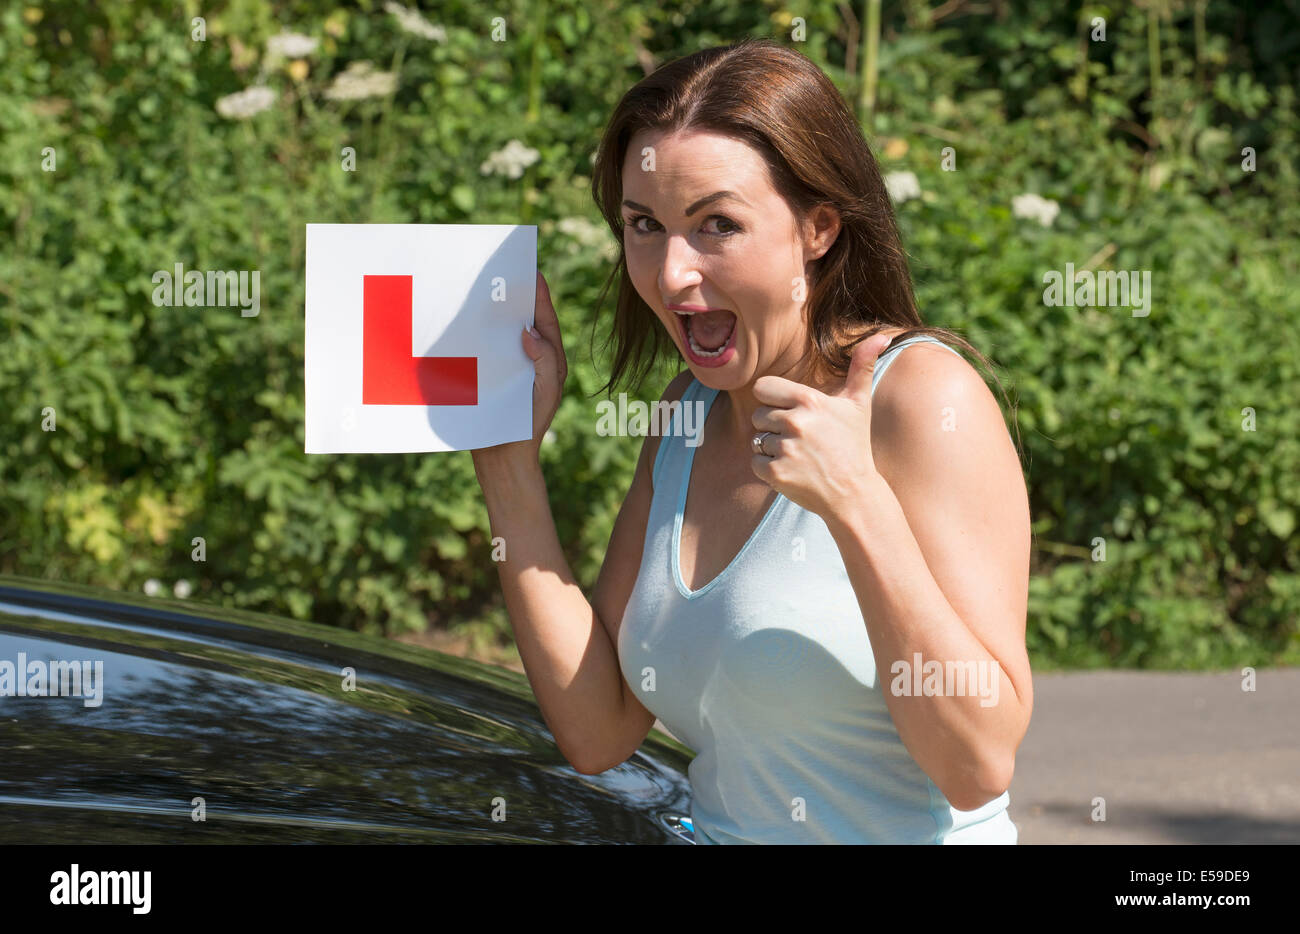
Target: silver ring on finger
[(756, 443)]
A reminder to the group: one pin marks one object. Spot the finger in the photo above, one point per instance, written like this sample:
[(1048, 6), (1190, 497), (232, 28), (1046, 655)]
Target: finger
[(862, 366), (548, 322), (781, 393), (762, 468), (532, 345), (548, 377), (768, 418), (544, 316), (542, 352), (773, 447)]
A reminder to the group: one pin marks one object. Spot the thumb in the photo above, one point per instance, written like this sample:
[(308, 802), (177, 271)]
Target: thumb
[(534, 346), (862, 366)]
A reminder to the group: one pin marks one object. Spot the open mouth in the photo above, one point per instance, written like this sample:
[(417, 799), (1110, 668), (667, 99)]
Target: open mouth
[(708, 333)]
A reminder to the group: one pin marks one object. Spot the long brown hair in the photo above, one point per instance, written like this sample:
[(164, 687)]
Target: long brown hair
[(780, 103)]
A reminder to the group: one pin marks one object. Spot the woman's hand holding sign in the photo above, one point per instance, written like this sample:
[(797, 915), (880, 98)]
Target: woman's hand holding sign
[(546, 350)]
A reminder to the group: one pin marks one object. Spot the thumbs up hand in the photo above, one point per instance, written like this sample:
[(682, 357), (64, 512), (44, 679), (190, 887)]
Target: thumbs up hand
[(817, 452)]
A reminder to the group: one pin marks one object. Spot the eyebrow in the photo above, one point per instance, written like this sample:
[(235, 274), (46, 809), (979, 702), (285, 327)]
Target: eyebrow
[(708, 199)]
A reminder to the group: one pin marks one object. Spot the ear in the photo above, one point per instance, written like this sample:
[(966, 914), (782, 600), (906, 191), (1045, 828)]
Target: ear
[(820, 231)]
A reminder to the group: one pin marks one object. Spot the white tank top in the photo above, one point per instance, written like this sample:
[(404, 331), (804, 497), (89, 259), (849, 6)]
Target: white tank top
[(767, 673)]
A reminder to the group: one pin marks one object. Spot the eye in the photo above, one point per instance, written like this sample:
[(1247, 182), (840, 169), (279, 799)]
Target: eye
[(735, 228), (633, 221), (721, 235)]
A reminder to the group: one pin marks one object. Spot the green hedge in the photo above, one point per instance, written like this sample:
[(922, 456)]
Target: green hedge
[(175, 423)]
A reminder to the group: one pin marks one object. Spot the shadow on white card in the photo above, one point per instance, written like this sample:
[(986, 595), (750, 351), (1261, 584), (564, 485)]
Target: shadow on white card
[(413, 336)]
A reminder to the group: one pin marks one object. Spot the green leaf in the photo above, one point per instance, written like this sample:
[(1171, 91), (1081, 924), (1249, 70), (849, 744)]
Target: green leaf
[(463, 197), (1279, 519)]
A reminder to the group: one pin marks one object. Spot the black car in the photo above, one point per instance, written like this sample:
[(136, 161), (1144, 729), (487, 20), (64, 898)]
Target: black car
[(165, 721)]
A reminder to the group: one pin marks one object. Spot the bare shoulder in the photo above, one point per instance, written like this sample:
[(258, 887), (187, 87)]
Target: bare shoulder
[(940, 440), (929, 391)]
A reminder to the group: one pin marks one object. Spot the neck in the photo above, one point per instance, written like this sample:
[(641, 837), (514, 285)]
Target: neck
[(736, 421)]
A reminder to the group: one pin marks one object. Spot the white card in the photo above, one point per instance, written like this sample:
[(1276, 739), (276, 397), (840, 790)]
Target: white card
[(413, 336)]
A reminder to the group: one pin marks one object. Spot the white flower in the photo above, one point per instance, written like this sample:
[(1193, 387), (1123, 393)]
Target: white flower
[(290, 45), (152, 586), (361, 80), (587, 234), (1036, 208), (243, 104), (511, 161), (902, 186), (411, 21), (582, 230), (182, 589)]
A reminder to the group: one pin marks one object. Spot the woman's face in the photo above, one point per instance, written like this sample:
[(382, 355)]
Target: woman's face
[(741, 255)]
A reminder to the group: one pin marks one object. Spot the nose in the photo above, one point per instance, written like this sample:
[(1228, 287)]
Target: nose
[(678, 273)]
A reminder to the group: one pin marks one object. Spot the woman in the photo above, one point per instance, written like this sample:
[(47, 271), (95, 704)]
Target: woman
[(826, 598)]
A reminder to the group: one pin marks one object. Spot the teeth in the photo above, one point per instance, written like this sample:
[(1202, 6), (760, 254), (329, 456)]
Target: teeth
[(700, 351)]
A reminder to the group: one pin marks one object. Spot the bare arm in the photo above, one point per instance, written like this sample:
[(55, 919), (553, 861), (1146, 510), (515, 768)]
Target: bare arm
[(567, 645), (938, 553), (618, 577), (567, 653)]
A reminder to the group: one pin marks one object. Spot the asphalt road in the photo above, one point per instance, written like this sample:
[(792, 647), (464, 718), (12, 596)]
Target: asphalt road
[(1178, 758)]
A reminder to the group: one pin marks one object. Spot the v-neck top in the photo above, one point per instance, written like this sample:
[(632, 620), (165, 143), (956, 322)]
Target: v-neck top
[(766, 672)]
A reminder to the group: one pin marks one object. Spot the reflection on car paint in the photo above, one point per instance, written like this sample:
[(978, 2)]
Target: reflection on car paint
[(248, 713)]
